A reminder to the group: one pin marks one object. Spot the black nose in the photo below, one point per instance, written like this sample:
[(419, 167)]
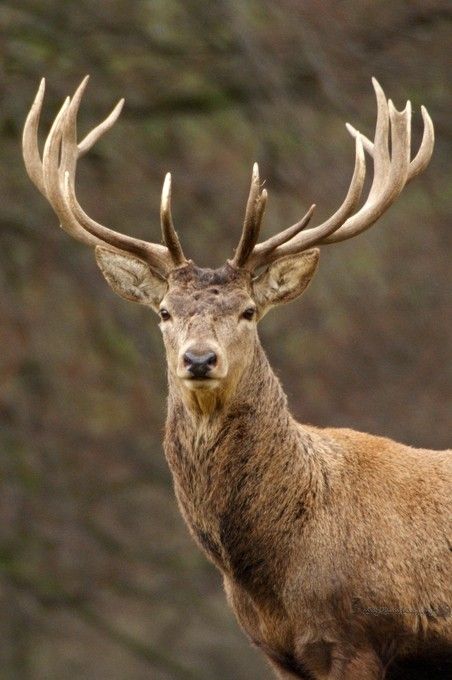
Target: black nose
[(199, 364)]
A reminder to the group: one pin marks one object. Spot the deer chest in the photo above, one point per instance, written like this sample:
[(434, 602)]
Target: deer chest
[(236, 525), (198, 492)]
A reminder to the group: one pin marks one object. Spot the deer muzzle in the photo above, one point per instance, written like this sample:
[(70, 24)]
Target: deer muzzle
[(202, 363)]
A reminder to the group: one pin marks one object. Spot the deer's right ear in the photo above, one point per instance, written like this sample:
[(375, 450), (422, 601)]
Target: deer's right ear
[(131, 278)]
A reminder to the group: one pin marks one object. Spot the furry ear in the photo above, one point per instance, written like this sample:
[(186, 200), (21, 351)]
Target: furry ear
[(131, 278), (285, 279)]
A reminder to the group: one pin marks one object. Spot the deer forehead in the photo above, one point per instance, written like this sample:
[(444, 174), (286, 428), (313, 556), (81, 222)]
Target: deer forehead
[(193, 290)]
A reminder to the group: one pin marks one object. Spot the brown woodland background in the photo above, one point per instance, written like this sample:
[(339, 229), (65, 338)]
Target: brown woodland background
[(98, 577)]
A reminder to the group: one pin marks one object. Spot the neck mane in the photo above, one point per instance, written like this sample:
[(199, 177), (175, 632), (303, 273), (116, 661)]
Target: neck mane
[(224, 461)]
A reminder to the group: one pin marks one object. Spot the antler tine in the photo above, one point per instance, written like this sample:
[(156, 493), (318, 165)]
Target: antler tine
[(381, 159), (95, 134), (30, 149), (392, 171), (69, 150), (424, 154), (255, 207), (170, 237)]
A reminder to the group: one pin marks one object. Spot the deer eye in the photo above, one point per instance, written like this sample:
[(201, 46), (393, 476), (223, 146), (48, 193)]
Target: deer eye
[(249, 313), (164, 314)]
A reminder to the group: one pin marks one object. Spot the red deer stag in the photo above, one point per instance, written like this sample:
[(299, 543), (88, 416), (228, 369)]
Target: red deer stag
[(333, 544)]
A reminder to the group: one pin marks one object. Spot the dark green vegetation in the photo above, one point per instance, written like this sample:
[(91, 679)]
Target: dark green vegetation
[(98, 578)]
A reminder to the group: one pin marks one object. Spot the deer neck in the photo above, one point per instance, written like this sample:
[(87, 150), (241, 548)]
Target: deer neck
[(233, 468)]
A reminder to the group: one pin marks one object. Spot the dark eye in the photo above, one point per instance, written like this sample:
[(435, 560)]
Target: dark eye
[(249, 313), (164, 314)]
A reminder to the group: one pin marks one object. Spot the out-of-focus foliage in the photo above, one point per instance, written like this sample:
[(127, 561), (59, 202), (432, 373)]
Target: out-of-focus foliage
[(98, 578)]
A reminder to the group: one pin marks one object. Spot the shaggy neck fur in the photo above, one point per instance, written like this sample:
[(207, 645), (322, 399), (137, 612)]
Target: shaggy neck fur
[(225, 459)]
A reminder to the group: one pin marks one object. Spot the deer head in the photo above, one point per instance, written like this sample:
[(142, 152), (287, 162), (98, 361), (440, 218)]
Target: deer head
[(208, 317)]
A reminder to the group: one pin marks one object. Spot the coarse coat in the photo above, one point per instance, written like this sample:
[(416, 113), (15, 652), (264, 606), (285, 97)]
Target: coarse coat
[(334, 545)]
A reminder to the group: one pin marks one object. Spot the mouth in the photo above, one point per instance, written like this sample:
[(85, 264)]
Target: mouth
[(205, 382)]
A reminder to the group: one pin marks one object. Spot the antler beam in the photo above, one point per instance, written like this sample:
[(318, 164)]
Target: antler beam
[(54, 176), (392, 171)]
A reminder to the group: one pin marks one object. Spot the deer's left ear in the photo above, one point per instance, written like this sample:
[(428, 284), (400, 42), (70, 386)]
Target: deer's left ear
[(284, 279), (131, 278)]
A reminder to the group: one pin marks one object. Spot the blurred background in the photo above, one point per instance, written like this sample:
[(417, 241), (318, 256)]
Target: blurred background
[(98, 577)]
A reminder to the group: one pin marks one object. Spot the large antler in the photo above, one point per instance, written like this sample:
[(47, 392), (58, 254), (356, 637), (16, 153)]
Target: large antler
[(392, 171), (54, 176)]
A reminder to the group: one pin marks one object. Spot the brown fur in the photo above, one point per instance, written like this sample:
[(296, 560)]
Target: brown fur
[(334, 545)]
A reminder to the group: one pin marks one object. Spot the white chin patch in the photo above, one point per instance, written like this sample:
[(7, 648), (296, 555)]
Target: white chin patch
[(197, 385)]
